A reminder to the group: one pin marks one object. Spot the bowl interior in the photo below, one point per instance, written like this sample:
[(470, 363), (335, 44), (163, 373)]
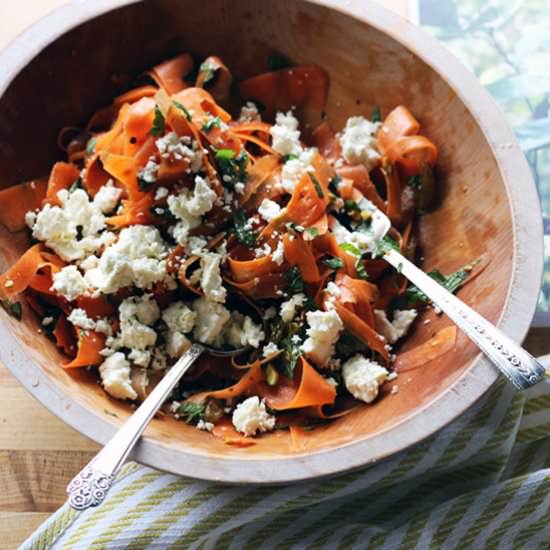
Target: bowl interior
[(73, 76)]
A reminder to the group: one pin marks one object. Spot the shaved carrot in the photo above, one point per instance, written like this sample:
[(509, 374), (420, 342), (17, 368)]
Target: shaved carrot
[(62, 176), (125, 170), (96, 307), (134, 212), (246, 270), (399, 122), (140, 119), (21, 199), (89, 345), (171, 74), (135, 95), (324, 138), (224, 429), (64, 336), (266, 286), (95, 177), (411, 153), (360, 179), (299, 252)]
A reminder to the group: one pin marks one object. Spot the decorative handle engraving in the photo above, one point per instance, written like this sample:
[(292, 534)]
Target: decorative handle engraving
[(519, 366), (88, 488)]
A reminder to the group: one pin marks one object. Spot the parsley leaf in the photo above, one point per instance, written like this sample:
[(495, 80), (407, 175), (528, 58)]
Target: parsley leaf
[(294, 280), (192, 412), (231, 166), (276, 62), (212, 122), (245, 235), (333, 263), (13, 308), (360, 268), (286, 158), (159, 123), (351, 248), (317, 185), (386, 244), (376, 116), (351, 205), (291, 353), (183, 109), (209, 71), (90, 147), (77, 184)]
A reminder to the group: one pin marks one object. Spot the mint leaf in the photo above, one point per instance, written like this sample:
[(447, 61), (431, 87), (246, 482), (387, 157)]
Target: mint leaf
[(159, 123), (212, 122), (192, 412), (294, 279), (333, 263), (376, 116), (245, 235), (183, 109), (317, 186), (90, 147), (351, 248)]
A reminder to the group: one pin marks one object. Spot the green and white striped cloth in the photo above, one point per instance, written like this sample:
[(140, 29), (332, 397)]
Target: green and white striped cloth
[(482, 482)]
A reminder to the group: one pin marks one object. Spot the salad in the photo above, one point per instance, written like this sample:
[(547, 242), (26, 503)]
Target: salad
[(195, 208)]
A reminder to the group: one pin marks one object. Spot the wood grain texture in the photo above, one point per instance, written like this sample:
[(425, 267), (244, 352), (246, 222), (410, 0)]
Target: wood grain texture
[(15, 527)]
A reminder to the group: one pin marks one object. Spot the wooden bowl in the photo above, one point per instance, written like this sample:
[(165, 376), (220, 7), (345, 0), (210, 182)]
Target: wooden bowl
[(60, 71)]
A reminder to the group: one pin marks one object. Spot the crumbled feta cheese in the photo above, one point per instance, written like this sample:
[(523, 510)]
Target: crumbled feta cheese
[(363, 377), (159, 359), (69, 283), (73, 230), (402, 320), (278, 255), (288, 308), (270, 349), (47, 321), (249, 113), (79, 318), (323, 332), (203, 425), (139, 357), (136, 259), (333, 289), (172, 147), (115, 376), (332, 382), (285, 134), (239, 188), (251, 416), (107, 197), (180, 320), (241, 331), (89, 263), (262, 251), (188, 207), (358, 141), (210, 321), (161, 193), (270, 313), (144, 308), (211, 280), (269, 210), (150, 172), (294, 169)]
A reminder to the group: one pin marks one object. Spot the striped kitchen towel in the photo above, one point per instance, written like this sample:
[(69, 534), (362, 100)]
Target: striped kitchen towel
[(482, 482)]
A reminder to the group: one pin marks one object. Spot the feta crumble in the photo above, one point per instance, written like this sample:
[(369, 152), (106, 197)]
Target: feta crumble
[(161, 193), (249, 113), (270, 349), (251, 416), (294, 169), (269, 210), (322, 335), (285, 134), (358, 141), (180, 320), (288, 308), (393, 331), (211, 280), (363, 377), (211, 318), (174, 148), (241, 331), (115, 376), (107, 197), (278, 255), (69, 283)]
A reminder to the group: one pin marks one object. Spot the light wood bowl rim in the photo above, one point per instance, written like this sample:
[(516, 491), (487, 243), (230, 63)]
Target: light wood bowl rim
[(515, 320)]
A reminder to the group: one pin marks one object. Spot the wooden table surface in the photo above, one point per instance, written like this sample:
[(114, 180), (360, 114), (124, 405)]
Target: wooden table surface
[(39, 454)]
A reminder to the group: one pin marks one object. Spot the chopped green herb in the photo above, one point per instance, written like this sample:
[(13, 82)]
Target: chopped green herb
[(159, 123), (77, 184), (110, 413), (278, 61), (351, 248), (313, 231), (415, 182), (245, 235), (376, 116), (90, 147), (212, 122), (294, 280), (286, 158), (351, 205), (183, 109), (317, 186), (208, 70), (231, 165), (13, 308), (349, 345), (291, 353), (333, 184), (333, 263), (360, 268), (385, 245), (192, 412)]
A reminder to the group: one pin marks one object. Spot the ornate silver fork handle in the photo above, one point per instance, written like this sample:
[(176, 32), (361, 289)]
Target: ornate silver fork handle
[(90, 486), (519, 366)]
